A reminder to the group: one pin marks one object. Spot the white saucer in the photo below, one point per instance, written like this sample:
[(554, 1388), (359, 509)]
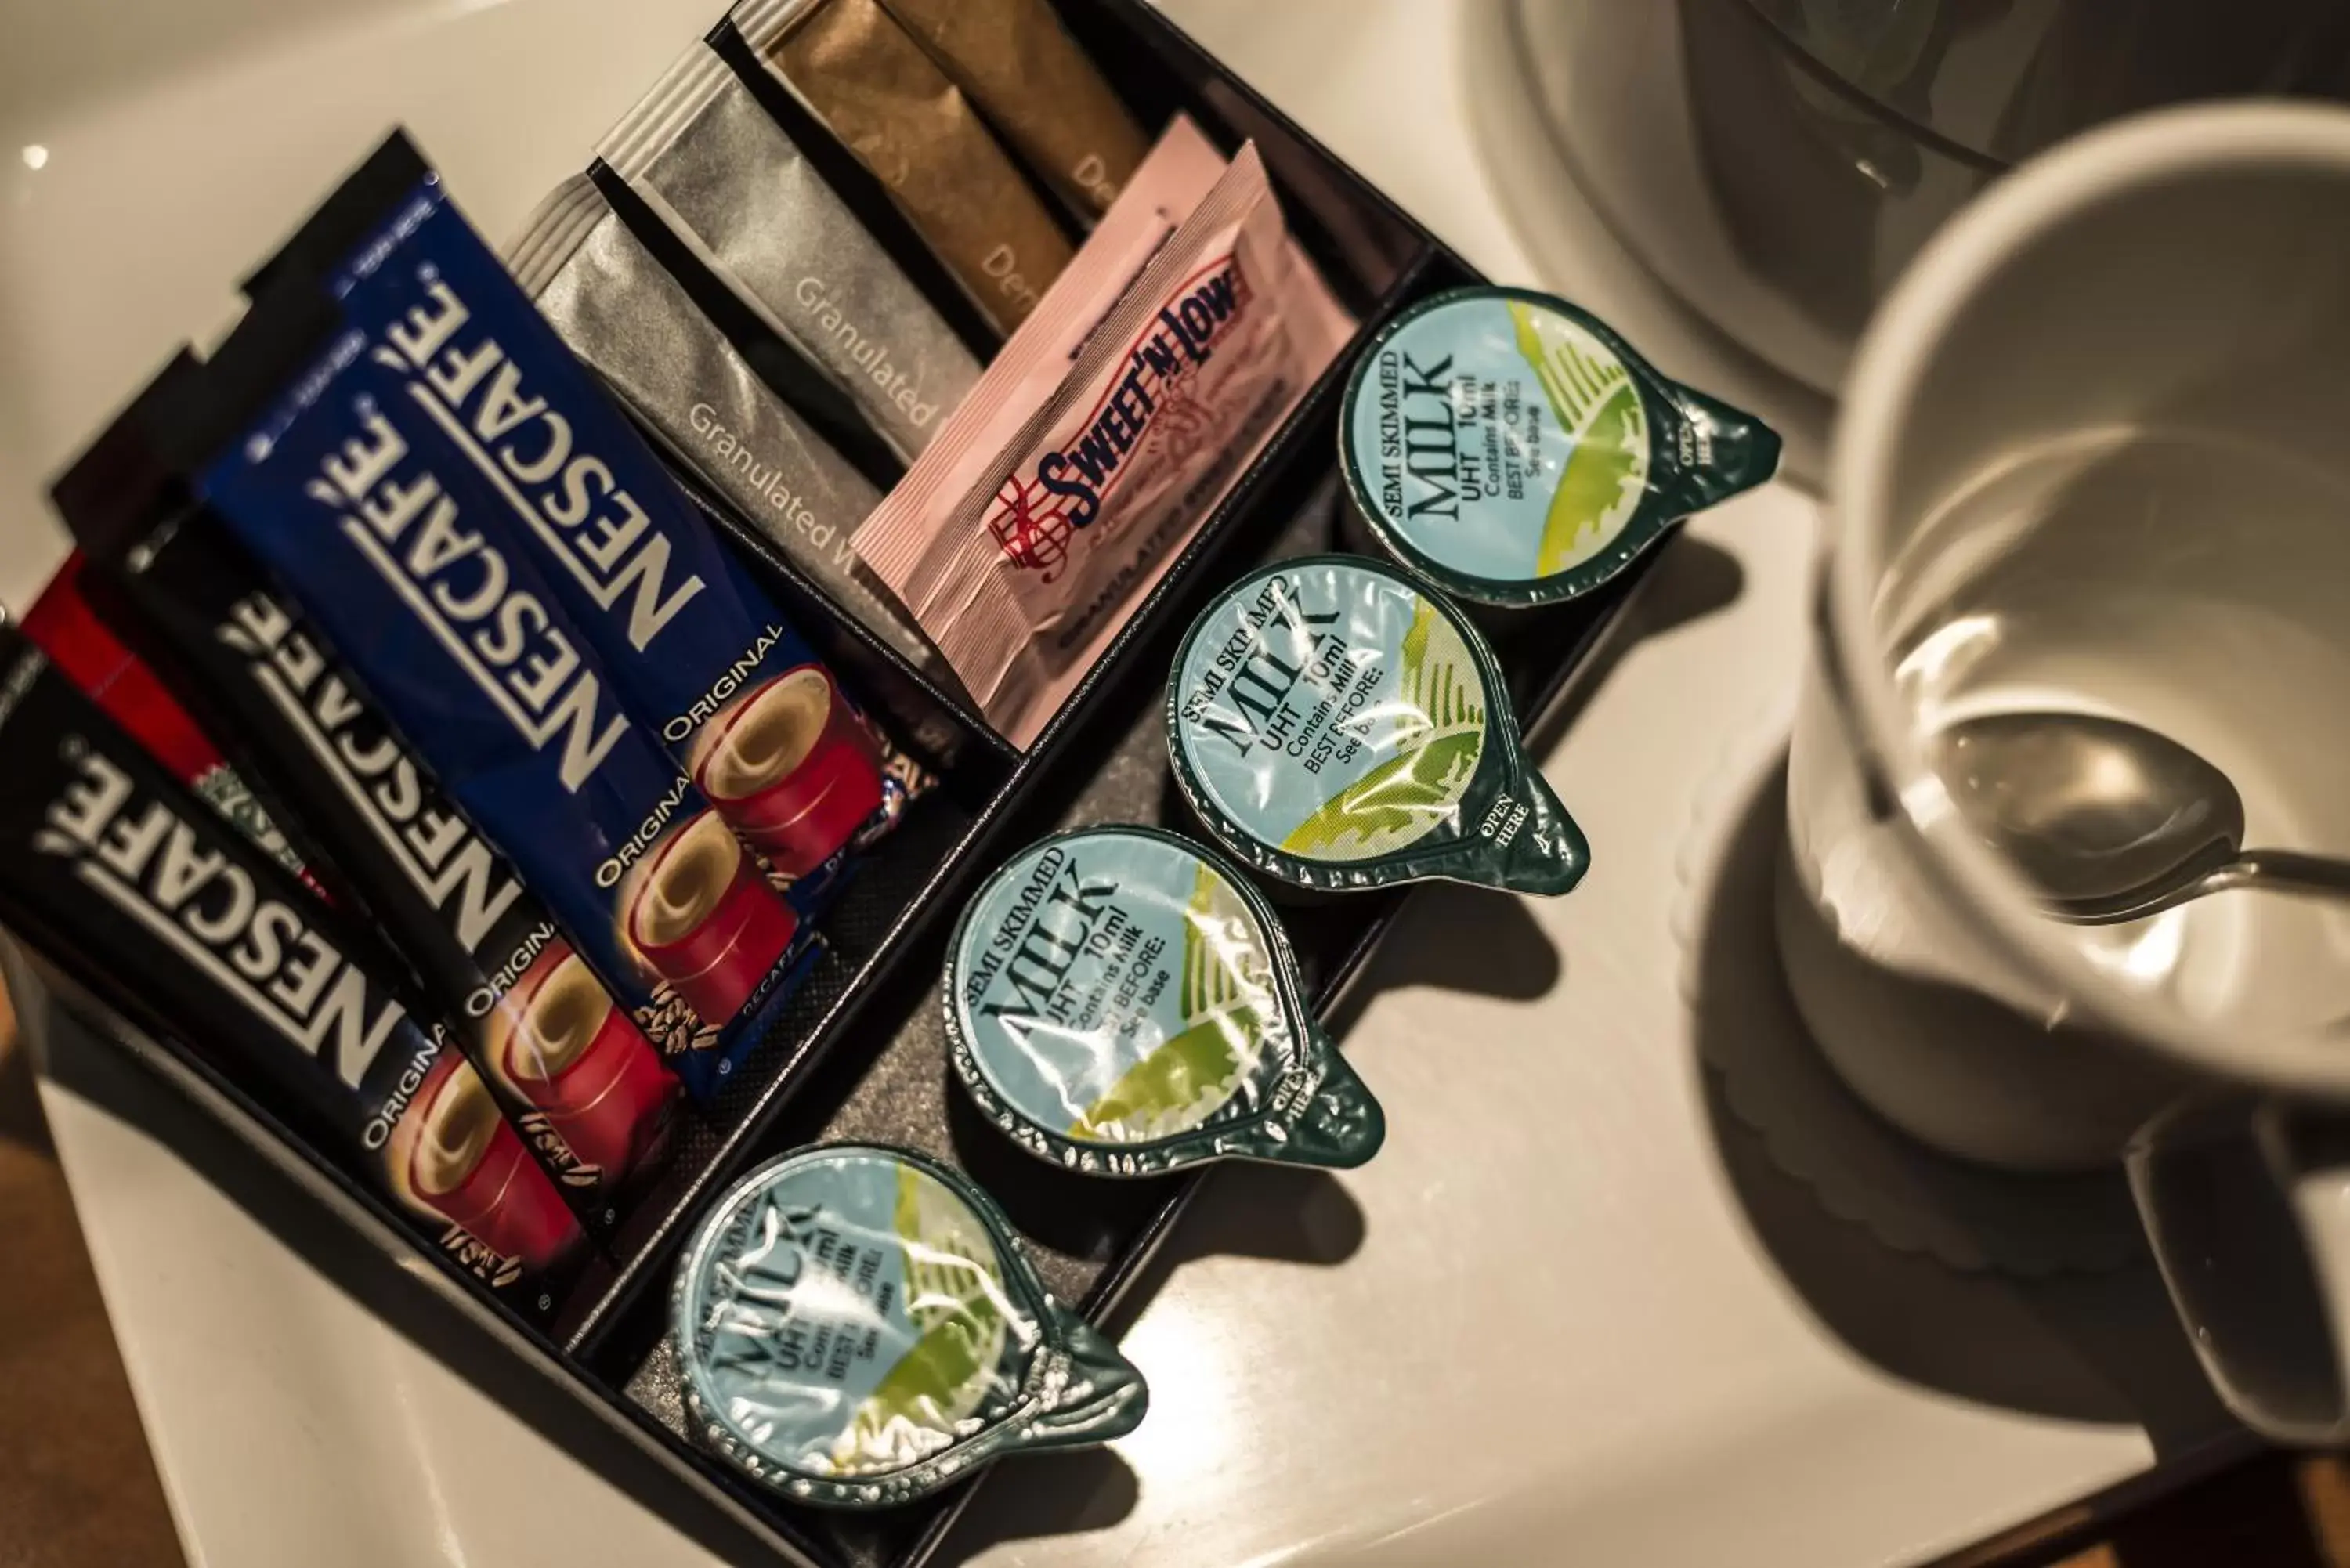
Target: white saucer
[(1735, 891)]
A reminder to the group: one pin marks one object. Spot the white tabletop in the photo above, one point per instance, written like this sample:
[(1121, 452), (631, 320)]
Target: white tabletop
[(1573, 1313)]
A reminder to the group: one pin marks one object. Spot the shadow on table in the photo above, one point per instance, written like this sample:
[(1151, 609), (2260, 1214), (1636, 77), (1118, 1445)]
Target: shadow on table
[(1692, 579), (2088, 1343), (1272, 1211), (1055, 1494), (1471, 941)]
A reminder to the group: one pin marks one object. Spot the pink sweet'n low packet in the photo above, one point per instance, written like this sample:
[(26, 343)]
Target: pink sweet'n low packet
[(1107, 431)]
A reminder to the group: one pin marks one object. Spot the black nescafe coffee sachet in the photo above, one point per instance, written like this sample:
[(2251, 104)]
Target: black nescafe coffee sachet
[(125, 880)]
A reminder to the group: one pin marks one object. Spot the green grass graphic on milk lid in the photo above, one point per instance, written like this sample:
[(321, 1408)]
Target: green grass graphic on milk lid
[(1337, 725), (1515, 449), (858, 1326), (1121, 1003)]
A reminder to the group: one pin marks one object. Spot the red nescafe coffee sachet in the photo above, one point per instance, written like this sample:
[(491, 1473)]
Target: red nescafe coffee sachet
[(572, 1068), (67, 628), (119, 874)]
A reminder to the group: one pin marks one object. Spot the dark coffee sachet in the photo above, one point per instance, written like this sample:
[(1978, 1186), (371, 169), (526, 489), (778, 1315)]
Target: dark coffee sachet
[(84, 625), (571, 1067), (119, 874)]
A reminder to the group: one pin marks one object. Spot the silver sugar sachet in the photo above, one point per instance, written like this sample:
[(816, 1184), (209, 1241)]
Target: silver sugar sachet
[(716, 168), (621, 310)]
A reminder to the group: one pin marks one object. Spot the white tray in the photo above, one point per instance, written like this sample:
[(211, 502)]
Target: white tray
[(1574, 1312)]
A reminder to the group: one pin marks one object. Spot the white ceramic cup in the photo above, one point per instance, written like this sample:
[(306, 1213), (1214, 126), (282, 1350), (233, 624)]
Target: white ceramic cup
[(2095, 455)]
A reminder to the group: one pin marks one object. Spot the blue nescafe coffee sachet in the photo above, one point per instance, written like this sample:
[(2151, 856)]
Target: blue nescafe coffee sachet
[(1121, 1003), (573, 1071), (695, 648), (307, 444), (859, 1327)]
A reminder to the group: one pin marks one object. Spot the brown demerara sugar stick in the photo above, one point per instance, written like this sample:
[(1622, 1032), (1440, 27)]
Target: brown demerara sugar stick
[(888, 102), (1037, 89)]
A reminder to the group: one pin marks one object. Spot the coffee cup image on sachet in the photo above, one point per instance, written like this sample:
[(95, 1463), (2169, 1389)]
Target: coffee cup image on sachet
[(858, 1326), (577, 1056), (1121, 1001), (455, 1156), (1512, 448), (1338, 726), (703, 918), (793, 769)]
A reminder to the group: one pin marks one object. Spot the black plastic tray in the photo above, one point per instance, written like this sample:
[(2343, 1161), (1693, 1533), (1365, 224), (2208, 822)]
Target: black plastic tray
[(860, 1054)]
